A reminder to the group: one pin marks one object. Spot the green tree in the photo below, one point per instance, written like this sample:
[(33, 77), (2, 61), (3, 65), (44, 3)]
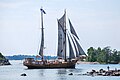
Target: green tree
[(119, 56), (100, 57), (91, 55), (115, 57), (1, 56), (107, 53)]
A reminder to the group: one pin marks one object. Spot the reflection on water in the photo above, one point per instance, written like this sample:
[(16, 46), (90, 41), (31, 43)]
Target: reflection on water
[(41, 72), (61, 71), (75, 70), (61, 74), (16, 69)]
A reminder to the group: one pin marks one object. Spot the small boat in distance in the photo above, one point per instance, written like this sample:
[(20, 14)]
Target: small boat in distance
[(62, 60)]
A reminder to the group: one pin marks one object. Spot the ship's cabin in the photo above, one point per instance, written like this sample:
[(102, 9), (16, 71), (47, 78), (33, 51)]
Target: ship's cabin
[(29, 60)]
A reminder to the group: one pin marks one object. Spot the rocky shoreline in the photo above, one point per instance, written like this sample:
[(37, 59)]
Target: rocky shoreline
[(102, 72), (4, 62)]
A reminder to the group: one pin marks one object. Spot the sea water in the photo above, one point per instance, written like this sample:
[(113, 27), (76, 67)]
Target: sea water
[(14, 71)]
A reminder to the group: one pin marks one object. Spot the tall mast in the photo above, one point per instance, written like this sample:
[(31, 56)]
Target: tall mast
[(65, 35), (42, 32), (42, 38)]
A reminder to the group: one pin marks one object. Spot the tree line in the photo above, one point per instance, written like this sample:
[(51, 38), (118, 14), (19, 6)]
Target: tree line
[(104, 56)]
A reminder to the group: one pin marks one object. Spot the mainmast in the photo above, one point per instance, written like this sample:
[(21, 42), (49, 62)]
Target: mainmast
[(65, 35), (42, 37), (62, 37)]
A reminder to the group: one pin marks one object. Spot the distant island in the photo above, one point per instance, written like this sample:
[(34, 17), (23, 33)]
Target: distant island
[(3, 60), (22, 57)]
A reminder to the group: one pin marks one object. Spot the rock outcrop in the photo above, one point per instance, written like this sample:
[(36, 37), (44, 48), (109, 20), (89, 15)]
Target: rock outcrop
[(3, 60)]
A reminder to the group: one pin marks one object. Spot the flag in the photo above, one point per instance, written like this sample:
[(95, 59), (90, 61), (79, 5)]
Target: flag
[(43, 11)]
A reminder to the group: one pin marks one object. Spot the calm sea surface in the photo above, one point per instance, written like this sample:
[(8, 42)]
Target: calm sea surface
[(14, 71)]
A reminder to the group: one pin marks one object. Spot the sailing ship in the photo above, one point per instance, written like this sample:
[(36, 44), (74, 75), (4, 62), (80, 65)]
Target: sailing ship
[(62, 61)]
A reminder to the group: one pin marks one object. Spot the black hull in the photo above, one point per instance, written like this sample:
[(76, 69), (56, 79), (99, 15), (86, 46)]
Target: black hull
[(34, 67), (49, 65)]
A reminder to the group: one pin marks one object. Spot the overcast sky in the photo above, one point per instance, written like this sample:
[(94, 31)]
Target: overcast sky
[(97, 23)]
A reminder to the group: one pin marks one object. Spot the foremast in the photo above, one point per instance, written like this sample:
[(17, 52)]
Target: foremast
[(42, 36)]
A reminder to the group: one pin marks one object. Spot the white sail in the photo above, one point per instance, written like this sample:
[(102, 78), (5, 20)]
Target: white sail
[(61, 36), (60, 52), (71, 52), (62, 21), (77, 54), (81, 52), (72, 29)]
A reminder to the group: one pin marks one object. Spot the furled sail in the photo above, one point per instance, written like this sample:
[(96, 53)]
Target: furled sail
[(42, 37), (72, 29), (81, 52), (61, 36), (71, 52), (42, 45)]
